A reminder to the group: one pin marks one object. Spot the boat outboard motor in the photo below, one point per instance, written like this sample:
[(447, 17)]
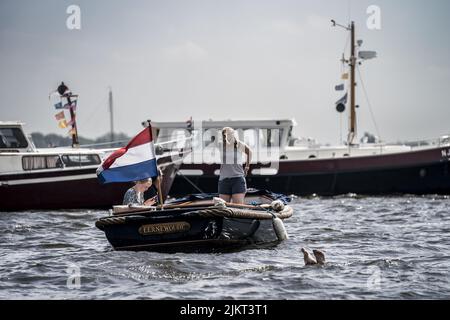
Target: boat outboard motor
[(277, 223)]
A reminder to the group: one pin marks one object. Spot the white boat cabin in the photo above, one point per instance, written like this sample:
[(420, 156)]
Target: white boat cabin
[(18, 154), (269, 134)]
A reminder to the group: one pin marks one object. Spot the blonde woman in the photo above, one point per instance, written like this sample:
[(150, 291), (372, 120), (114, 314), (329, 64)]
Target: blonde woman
[(232, 185), (135, 195)]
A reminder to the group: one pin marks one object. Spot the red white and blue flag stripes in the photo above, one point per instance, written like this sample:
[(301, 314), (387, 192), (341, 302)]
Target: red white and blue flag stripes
[(136, 161)]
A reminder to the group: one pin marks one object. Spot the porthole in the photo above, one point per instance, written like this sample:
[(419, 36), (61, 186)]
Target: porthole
[(423, 173)]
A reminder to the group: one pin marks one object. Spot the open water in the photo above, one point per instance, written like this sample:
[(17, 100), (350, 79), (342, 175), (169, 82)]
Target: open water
[(376, 248)]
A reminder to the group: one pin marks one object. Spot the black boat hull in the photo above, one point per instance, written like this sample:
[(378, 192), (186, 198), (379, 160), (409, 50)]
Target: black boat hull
[(184, 233)]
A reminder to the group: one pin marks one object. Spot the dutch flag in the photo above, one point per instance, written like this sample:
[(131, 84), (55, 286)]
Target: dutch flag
[(136, 161)]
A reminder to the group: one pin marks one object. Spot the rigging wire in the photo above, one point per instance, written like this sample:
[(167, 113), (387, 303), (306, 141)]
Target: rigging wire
[(349, 10), (346, 45), (190, 182), (368, 103), (97, 108)]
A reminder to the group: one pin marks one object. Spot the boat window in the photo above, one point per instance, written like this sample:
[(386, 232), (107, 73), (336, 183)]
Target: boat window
[(174, 138), (240, 134), (270, 137), (41, 162), (250, 138), (170, 134), (12, 138), (210, 137), (80, 160)]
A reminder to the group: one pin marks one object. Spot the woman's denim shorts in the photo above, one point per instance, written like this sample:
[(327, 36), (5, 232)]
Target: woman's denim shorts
[(230, 186)]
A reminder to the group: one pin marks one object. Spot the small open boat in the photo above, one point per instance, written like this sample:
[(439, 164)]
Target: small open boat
[(199, 223)]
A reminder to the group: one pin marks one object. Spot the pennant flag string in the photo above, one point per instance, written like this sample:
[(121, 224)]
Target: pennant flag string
[(60, 115), (62, 124)]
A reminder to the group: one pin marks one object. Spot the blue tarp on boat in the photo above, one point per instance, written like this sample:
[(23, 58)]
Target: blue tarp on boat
[(250, 192)]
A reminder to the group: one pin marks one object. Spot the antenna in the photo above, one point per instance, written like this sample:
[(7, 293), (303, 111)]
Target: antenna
[(335, 24), (111, 114)]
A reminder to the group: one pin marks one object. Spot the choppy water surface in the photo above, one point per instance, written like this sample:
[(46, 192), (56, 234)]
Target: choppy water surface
[(376, 247)]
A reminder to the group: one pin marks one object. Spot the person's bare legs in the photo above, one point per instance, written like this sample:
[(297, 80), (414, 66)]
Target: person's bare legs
[(225, 197), (238, 198)]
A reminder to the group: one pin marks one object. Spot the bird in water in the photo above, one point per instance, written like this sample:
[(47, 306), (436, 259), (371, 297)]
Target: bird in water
[(318, 258)]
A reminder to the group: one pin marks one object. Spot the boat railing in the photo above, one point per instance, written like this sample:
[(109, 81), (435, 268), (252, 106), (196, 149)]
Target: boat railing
[(117, 143), (442, 141)]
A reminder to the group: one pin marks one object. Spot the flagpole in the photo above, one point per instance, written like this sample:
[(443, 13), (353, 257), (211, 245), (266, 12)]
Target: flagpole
[(75, 143), (159, 178), (161, 201)]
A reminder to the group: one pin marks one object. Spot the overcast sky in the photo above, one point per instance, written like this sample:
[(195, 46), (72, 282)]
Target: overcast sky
[(229, 59)]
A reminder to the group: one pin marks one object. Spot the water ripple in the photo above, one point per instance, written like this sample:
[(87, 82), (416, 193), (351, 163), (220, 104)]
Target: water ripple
[(389, 248)]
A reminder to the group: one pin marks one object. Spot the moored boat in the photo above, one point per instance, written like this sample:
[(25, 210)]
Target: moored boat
[(60, 178), (198, 223)]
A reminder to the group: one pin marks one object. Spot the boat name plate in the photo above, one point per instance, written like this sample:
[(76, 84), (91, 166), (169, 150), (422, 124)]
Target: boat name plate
[(446, 154), (163, 228)]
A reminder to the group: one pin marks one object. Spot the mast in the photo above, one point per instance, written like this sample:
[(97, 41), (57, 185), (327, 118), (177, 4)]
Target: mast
[(111, 114), (75, 143), (64, 91), (352, 63)]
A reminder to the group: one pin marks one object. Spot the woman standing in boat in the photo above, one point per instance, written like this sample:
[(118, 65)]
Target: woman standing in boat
[(232, 184)]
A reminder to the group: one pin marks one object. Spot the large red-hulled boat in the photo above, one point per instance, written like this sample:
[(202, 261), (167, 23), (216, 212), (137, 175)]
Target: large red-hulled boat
[(288, 165)]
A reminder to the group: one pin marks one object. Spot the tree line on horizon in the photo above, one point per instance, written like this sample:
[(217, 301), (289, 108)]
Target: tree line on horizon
[(53, 140)]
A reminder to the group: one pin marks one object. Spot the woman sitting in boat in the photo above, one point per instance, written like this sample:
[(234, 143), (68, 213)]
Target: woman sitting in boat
[(232, 184), (135, 195)]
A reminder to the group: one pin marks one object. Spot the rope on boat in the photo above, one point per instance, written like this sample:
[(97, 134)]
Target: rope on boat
[(190, 182), (214, 212), (243, 213), (109, 221)]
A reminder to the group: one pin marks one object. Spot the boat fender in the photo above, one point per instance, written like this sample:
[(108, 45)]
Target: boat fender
[(279, 228), (218, 202), (277, 205)]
